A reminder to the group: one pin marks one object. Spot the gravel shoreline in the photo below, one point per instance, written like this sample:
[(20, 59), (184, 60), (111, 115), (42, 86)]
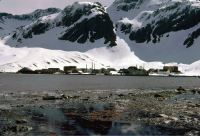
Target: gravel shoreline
[(101, 112)]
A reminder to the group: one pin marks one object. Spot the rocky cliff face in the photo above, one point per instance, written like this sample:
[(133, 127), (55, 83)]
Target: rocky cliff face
[(31, 16), (10, 22), (156, 30), (142, 21), (153, 19), (81, 22)]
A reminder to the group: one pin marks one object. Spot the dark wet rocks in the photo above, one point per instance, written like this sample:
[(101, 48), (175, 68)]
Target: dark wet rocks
[(146, 114), (72, 97), (12, 127), (21, 121), (193, 133), (51, 98), (60, 97), (195, 91), (19, 128), (174, 125), (153, 108), (85, 99), (54, 97), (193, 105), (121, 95), (180, 90), (158, 96)]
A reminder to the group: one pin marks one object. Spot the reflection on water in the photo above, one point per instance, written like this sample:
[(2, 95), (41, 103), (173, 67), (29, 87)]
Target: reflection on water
[(83, 120)]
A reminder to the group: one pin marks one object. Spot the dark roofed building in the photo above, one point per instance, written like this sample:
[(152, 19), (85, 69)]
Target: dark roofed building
[(171, 69), (70, 69), (53, 70), (26, 70), (133, 71)]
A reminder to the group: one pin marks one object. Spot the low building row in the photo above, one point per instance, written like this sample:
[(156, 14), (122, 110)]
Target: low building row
[(131, 71), (166, 71)]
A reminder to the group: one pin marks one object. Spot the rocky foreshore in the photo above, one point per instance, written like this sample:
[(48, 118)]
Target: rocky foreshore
[(101, 112)]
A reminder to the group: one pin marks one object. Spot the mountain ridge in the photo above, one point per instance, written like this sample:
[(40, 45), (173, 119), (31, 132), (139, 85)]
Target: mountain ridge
[(31, 16), (156, 31), (159, 30), (10, 22), (78, 23), (151, 24)]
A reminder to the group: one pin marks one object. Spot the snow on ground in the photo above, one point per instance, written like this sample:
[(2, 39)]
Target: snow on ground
[(49, 40), (192, 69), (10, 25), (64, 53), (13, 59), (121, 56), (171, 45), (169, 49)]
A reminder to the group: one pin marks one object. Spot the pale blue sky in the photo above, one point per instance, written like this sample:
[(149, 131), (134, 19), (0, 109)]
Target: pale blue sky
[(26, 6)]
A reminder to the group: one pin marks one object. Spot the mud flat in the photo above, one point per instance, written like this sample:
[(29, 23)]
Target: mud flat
[(101, 112)]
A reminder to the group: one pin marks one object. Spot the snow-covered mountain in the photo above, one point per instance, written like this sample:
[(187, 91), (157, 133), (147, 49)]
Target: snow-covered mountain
[(164, 30), (148, 20), (9, 22), (145, 33), (81, 23), (13, 59)]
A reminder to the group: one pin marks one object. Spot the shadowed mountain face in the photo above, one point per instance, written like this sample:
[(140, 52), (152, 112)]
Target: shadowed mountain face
[(10, 23), (156, 30), (153, 19), (142, 21), (81, 22), (31, 16), (126, 5), (90, 21)]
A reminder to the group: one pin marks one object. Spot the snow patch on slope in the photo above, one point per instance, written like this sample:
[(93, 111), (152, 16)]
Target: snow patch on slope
[(119, 56), (13, 59), (10, 25), (169, 49), (192, 69), (132, 25)]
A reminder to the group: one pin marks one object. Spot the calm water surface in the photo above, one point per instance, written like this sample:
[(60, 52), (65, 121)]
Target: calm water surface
[(18, 82)]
